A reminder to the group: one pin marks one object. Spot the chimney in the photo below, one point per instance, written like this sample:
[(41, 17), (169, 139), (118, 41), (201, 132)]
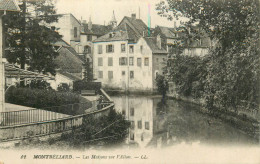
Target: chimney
[(133, 16), (89, 24), (175, 25), (158, 41)]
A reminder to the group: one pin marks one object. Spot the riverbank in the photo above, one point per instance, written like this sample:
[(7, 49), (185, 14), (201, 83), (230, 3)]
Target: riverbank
[(241, 121), (112, 92)]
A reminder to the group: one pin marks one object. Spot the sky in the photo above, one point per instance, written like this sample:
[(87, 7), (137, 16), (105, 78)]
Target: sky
[(101, 11)]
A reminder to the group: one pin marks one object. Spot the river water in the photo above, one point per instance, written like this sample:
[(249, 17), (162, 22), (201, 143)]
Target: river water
[(156, 125)]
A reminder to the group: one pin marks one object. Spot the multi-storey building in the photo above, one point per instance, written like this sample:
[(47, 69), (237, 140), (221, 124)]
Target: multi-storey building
[(69, 27), (168, 35), (193, 47), (127, 58), (88, 33)]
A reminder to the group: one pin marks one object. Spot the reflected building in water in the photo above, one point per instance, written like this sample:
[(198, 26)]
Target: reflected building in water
[(154, 124), (144, 117)]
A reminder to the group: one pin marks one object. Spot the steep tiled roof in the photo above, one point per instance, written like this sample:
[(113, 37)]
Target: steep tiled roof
[(129, 29), (96, 29), (68, 60), (131, 34), (151, 41), (61, 42), (116, 36), (9, 5), (136, 24), (168, 32)]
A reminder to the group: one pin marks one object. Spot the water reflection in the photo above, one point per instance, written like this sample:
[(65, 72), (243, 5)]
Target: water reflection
[(157, 124)]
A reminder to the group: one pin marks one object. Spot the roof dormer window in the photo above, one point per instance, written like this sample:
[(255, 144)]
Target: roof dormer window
[(111, 35)]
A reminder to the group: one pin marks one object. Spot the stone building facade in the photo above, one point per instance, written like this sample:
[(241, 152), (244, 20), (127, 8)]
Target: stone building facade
[(69, 27), (126, 58)]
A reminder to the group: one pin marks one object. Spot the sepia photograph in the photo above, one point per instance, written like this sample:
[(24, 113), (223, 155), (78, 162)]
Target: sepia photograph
[(129, 81)]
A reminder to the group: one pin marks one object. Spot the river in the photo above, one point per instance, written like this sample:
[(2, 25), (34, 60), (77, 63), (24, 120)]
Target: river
[(156, 125)]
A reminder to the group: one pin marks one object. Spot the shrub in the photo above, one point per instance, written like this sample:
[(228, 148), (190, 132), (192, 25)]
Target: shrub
[(63, 87), (109, 129), (39, 84), (49, 100)]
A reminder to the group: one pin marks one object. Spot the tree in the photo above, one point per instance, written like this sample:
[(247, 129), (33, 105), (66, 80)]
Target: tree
[(162, 86), (88, 73), (28, 37), (233, 63)]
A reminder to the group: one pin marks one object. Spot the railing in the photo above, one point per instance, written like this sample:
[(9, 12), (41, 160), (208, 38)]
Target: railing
[(39, 115), (28, 116), (49, 123), (18, 132)]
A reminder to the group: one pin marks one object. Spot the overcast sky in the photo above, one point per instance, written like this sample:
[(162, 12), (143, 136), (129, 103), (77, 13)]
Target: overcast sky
[(101, 10)]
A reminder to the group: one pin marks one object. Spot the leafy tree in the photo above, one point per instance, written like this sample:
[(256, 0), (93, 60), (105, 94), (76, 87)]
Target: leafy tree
[(233, 62), (88, 73), (189, 75), (162, 85), (28, 37)]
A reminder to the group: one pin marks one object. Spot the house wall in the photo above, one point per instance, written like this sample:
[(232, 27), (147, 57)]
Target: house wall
[(171, 41), (59, 78), (142, 79), (83, 43), (66, 25), (195, 51)]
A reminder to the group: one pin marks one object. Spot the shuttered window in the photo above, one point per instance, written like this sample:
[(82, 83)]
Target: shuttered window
[(100, 61), (99, 49), (146, 61), (100, 74), (110, 61), (123, 61), (140, 124), (110, 48), (110, 74), (131, 74), (131, 60), (131, 49), (139, 62), (122, 47)]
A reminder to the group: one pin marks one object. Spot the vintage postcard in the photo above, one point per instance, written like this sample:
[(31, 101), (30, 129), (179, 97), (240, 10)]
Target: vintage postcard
[(129, 81)]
